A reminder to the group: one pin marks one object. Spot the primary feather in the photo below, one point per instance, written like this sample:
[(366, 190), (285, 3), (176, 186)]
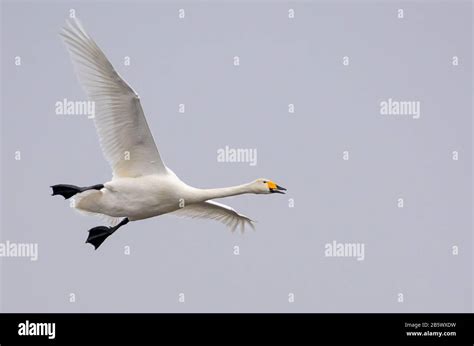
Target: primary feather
[(125, 138), (216, 211)]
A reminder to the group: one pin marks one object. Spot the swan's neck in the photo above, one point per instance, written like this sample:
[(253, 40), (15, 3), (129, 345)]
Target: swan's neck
[(207, 194)]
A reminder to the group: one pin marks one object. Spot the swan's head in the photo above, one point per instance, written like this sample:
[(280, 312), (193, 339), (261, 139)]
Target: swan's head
[(262, 186)]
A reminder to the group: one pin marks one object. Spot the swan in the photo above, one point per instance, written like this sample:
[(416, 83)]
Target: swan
[(141, 186)]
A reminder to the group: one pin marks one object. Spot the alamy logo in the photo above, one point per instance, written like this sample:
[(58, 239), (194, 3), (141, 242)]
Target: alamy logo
[(66, 107), (228, 154), (392, 107), (335, 249), (10, 249), (37, 329)]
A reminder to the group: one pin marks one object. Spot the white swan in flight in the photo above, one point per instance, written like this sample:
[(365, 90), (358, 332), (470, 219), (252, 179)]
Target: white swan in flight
[(141, 186)]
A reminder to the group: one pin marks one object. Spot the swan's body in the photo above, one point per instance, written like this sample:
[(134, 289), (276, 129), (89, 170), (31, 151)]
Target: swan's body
[(152, 195), (138, 198), (142, 186)]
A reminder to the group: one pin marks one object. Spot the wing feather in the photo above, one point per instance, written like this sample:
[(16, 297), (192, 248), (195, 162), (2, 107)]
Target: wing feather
[(216, 211), (124, 135)]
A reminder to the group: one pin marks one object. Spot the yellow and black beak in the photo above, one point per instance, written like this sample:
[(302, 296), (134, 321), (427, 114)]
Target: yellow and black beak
[(274, 188)]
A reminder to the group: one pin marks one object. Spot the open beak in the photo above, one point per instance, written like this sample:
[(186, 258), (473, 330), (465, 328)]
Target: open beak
[(278, 189)]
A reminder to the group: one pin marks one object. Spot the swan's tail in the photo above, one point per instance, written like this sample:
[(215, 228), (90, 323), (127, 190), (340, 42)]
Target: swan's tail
[(67, 191)]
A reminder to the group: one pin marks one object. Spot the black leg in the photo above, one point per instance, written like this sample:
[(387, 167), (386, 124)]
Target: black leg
[(97, 235), (67, 191)]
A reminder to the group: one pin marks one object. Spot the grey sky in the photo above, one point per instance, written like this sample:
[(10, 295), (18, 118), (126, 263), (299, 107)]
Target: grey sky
[(283, 61)]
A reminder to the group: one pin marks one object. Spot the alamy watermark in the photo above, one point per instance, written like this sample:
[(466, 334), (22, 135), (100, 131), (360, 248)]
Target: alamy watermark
[(10, 249), (67, 107), (335, 249), (246, 155), (392, 107)]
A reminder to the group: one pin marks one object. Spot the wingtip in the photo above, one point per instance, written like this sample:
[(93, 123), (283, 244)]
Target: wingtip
[(72, 20), (74, 25), (252, 224)]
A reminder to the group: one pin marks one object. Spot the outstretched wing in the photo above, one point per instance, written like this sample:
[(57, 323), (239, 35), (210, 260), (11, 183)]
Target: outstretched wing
[(216, 211), (125, 138)]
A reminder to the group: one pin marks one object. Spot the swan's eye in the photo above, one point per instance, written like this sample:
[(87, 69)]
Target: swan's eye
[(264, 181)]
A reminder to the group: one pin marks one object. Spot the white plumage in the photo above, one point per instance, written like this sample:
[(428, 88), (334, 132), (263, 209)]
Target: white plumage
[(141, 186), (119, 120)]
